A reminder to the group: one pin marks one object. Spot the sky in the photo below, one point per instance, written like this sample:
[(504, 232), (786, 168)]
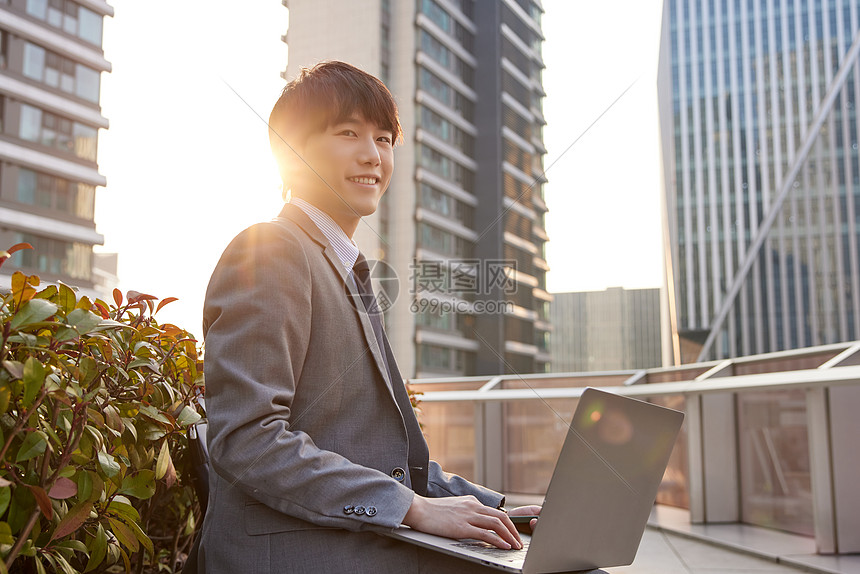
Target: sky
[(188, 165)]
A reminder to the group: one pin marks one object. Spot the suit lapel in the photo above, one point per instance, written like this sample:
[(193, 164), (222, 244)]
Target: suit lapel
[(299, 217)]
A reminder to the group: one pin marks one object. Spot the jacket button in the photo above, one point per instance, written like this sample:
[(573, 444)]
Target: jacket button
[(359, 510), (398, 474), (348, 509), (371, 511)]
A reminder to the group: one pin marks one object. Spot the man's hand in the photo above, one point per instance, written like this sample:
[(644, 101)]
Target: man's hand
[(531, 510), (462, 517)]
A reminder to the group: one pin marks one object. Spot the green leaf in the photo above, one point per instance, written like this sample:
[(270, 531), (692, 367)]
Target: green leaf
[(5, 497), (123, 510), (154, 414), (15, 368), (83, 321), (163, 461), (34, 377), (124, 534), (188, 416), (145, 362), (5, 397), (141, 536), (98, 549), (109, 464), (112, 418), (31, 312), (75, 545), (6, 534), (67, 298), (84, 481), (64, 565), (140, 485), (34, 444)]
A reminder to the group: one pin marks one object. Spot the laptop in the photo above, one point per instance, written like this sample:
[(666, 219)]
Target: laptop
[(600, 495)]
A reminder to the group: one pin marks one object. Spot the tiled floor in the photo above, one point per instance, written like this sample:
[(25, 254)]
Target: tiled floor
[(664, 553), (672, 545)]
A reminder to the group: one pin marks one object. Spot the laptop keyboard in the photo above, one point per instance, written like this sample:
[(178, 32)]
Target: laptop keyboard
[(486, 549)]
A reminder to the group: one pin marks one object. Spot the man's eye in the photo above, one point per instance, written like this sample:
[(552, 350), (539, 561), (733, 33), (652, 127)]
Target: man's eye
[(347, 133), (384, 139)]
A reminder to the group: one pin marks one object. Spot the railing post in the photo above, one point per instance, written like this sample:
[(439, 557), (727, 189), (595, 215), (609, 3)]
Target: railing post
[(695, 458), (821, 470), (844, 435), (489, 445), (720, 458)]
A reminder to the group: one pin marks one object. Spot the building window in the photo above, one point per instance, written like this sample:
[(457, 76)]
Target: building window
[(55, 193), (54, 256), (444, 57), (436, 358), (443, 242), (58, 132), (445, 167), (440, 202), (519, 158), (61, 73), (69, 17), (436, 319), (446, 131), (437, 14), (440, 90), (4, 49)]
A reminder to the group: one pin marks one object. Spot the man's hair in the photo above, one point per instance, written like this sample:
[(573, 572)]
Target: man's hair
[(327, 94)]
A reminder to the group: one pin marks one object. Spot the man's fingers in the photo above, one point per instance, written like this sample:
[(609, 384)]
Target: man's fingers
[(497, 525)]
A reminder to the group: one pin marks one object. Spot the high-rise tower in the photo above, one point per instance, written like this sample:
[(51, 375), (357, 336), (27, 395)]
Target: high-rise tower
[(51, 60), (758, 106), (462, 224)]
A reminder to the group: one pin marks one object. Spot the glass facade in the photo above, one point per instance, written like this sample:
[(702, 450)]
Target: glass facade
[(62, 73), (54, 257), (55, 131), (51, 51), (56, 194), (69, 17), (760, 263)]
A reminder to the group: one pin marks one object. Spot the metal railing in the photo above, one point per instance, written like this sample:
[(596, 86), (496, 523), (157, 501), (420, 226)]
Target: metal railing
[(768, 439)]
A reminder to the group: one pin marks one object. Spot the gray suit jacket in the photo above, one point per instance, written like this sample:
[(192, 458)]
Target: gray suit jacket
[(304, 427)]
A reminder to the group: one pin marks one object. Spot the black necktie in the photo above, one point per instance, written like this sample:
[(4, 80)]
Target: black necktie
[(371, 305), (418, 454)]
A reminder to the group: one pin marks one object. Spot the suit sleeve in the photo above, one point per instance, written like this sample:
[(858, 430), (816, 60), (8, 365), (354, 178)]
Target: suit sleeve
[(441, 484), (257, 331)]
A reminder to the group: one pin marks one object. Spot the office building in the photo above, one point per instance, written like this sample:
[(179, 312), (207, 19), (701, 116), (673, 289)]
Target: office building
[(51, 60), (609, 330), (462, 224), (758, 108)]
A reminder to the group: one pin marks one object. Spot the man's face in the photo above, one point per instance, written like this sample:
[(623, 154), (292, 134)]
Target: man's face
[(348, 168)]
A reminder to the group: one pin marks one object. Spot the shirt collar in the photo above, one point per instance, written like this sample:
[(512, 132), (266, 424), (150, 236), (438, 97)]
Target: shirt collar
[(344, 247)]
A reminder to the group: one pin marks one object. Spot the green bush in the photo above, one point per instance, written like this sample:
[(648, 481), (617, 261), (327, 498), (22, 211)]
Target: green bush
[(95, 399)]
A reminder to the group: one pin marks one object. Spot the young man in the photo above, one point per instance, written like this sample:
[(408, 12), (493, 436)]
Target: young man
[(313, 442)]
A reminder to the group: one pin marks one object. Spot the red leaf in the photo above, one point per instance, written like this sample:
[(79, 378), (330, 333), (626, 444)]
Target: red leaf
[(136, 297), (165, 302), (117, 297), (104, 312), (19, 247), (42, 500), (63, 488), (73, 519)]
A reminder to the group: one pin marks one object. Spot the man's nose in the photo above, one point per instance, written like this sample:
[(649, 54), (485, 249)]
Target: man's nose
[(369, 153)]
